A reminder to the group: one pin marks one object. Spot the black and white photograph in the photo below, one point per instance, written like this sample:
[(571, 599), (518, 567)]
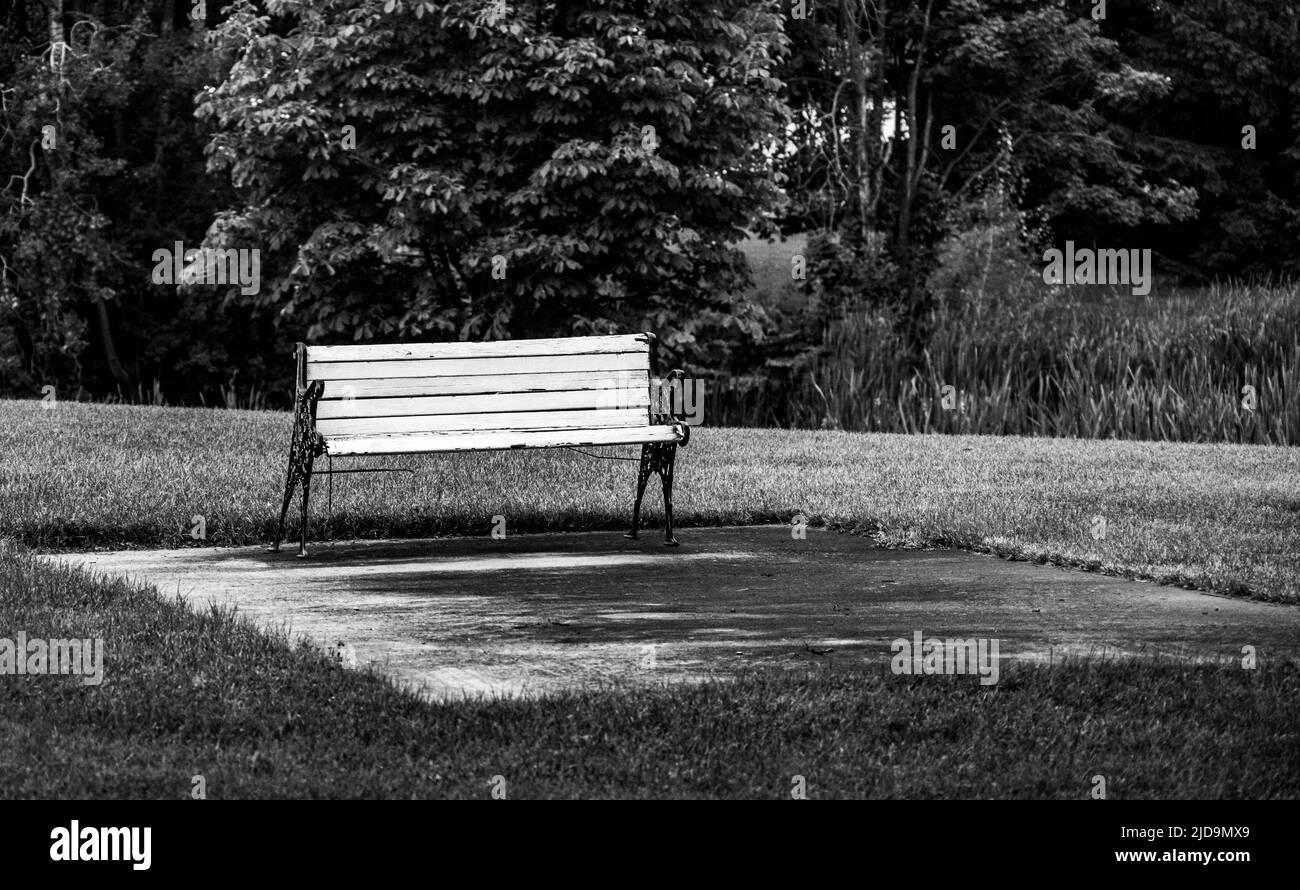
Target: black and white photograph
[(874, 400)]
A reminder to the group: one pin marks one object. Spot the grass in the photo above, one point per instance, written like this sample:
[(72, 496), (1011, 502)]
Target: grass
[(1216, 517), (1091, 363), (189, 694), (770, 262), (201, 693)]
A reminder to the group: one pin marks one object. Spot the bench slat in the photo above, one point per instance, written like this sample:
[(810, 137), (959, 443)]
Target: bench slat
[(483, 384), (482, 366), (515, 420), (493, 349), (497, 441), (472, 405)]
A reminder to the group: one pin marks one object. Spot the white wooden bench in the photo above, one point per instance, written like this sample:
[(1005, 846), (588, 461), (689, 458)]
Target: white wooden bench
[(439, 397)]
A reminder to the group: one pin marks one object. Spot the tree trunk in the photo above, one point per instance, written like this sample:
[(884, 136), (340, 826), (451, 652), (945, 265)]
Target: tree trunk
[(110, 348), (917, 139), (54, 8), (851, 18), (877, 157)]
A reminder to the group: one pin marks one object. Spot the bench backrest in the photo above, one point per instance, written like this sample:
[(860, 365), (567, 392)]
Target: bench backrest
[(560, 383)]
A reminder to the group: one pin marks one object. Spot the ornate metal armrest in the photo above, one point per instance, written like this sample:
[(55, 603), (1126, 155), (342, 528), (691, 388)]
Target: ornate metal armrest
[(676, 419), (313, 443)]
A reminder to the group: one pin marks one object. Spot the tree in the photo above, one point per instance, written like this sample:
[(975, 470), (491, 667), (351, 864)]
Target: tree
[(103, 164), (910, 106), (485, 170), (53, 250), (1229, 127)]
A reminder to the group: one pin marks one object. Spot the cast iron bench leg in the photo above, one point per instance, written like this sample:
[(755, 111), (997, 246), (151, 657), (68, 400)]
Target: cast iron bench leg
[(306, 490), (642, 477), (666, 476), (656, 457), (290, 479)]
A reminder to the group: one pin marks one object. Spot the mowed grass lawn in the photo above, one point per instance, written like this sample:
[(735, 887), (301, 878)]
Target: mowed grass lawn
[(201, 693), (1216, 517)]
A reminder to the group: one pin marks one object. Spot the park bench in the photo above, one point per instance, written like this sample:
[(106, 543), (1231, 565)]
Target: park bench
[(423, 398)]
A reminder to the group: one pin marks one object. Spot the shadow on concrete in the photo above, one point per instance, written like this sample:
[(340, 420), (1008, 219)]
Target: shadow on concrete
[(529, 614)]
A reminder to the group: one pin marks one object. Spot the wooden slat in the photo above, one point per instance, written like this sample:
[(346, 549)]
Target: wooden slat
[(463, 367), (494, 349), (496, 441), (517, 420), (485, 384), (481, 404)]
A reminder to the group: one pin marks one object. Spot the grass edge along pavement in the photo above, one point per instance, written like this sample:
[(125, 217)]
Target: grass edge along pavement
[(203, 693), (1223, 518)]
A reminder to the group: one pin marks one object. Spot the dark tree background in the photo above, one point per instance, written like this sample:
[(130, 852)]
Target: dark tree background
[(603, 158)]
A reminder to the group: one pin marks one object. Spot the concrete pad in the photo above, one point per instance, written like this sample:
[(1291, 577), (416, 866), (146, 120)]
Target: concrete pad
[(531, 614)]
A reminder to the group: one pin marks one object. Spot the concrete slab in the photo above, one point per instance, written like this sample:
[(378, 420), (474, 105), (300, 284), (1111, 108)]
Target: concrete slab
[(531, 614)]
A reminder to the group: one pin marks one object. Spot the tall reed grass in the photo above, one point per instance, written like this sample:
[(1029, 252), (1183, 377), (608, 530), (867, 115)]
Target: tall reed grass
[(1068, 362)]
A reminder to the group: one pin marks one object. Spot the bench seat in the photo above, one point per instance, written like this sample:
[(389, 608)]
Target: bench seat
[(497, 440)]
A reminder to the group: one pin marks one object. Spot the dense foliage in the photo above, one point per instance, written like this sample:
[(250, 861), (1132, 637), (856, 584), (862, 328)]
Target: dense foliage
[(451, 171), (490, 168)]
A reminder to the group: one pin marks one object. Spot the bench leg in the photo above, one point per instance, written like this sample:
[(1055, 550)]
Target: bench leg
[(666, 476), (305, 445), (656, 458), (306, 490), (290, 481), (642, 477)]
